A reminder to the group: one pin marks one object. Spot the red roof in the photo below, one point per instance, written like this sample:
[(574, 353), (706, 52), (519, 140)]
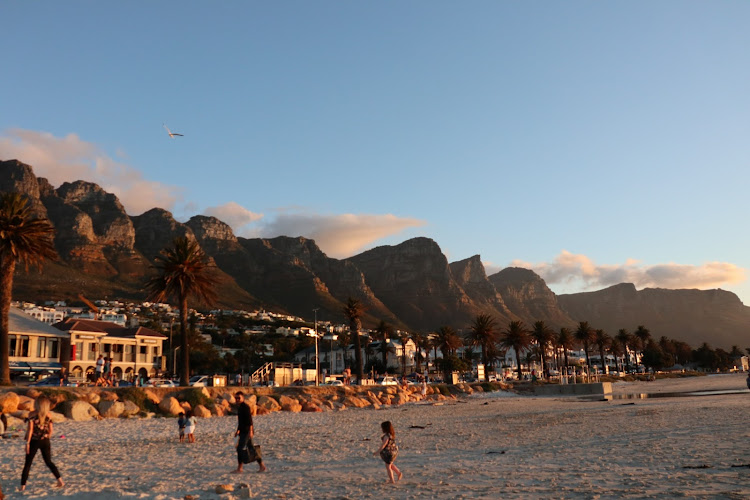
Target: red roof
[(106, 327)]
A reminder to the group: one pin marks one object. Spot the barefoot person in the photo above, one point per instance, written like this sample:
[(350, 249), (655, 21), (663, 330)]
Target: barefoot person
[(389, 450), (38, 433), (245, 431)]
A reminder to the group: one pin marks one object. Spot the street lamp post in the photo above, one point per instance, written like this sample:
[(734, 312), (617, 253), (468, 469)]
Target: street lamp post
[(174, 360), (331, 337), (317, 360)]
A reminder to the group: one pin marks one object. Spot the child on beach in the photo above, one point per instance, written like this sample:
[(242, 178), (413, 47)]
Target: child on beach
[(181, 426), (389, 450), (190, 422)]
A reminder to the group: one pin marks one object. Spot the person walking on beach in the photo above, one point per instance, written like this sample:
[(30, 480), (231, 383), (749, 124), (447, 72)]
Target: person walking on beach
[(190, 422), (389, 450), (246, 432), (99, 368), (181, 426), (38, 432)]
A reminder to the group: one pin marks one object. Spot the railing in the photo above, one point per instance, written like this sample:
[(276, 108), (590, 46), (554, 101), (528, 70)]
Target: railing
[(262, 374)]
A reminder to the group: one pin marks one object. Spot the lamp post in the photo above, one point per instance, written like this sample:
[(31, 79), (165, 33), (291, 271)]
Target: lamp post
[(317, 360), (331, 337), (174, 360)]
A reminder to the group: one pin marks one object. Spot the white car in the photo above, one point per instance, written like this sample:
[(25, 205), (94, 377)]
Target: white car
[(387, 381), (337, 383), (198, 381)]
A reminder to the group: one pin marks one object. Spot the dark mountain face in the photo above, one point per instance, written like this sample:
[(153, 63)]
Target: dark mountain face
[(693, 316), (528, 296), (105, 253)]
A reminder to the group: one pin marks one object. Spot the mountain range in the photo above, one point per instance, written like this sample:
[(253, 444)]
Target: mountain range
[(106, 253)]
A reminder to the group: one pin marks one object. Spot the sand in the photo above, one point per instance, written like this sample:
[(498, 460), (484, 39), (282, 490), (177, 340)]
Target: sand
[(487, 446)]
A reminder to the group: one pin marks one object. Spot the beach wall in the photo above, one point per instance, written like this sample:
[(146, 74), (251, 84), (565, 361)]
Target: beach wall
[(600, 388)]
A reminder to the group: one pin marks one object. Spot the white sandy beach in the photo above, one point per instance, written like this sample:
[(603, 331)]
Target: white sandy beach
[(492, 445)]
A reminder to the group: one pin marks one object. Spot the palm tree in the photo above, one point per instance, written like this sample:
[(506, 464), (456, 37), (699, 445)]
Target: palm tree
[(517, 337), (447, 341), (617, 350), (403, 337), (483, 334), (353, 311), (583, 335), (565, 341), (183, 272), (384, 331), (623, 337), (25, 239), (543, 336), (422, 354), (643, 335), (602, 340)]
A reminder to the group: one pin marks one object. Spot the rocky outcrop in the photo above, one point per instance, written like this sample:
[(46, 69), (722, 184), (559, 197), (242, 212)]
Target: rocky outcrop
[(717, 317), (155, 230), (528, 297), (414, 281), (471, 276), (79, 411)]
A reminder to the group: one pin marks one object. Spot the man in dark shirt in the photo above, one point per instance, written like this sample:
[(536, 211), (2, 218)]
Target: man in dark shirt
[(245, 432)]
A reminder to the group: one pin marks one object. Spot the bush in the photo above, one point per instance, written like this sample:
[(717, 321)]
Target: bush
[(196, 397), (138, 397)]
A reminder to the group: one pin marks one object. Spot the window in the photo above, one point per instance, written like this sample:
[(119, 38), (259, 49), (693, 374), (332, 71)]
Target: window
[(79, 350), (41, 347), (54, 348), (107, 347), (92, 351), (13, 344), (129, 352), (23, 346)]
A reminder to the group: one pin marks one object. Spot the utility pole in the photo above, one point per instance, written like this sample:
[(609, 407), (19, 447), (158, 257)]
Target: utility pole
[(317, 361)]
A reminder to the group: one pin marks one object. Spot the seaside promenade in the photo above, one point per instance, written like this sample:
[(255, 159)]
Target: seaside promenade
[(491, 445)]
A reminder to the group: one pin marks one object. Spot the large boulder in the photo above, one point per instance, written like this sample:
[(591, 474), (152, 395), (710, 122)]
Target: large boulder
[(286, 400), (311, 407), (130, 409), (93, 398), (152, 396), (294, 407), (8, 402), (56, 418), (268, 403), (171, 406), (79, 411), (356, 402), (25, 403), (111, 409), (201, 411), (108, 396)]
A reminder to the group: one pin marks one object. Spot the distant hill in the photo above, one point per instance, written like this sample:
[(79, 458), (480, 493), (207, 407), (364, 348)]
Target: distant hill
[(105, 253)]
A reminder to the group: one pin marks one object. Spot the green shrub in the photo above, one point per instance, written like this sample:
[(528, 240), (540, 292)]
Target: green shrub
[(137, 396), (196, 397)]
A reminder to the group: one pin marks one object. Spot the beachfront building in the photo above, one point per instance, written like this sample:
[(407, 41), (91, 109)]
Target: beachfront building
[(137, 350), (47, 315), (35, 346)]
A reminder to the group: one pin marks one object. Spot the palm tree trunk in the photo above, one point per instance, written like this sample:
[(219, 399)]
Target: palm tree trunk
[(358, 357), (518, 361), (7, 268), (601, 354), (184, 344)]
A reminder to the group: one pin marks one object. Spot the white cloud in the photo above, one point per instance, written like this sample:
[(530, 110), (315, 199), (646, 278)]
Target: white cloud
[(569, 268), (67, 159), (491, 268), (339, 236), (234, 214)]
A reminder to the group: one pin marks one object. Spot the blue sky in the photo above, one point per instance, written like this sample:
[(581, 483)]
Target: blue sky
[(595, 142)]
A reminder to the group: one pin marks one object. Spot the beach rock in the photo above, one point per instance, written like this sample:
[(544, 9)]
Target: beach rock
[(130, 409), (56, 418), (108, 396), (15, 423), (286, 400), (294, 407), (219, 411), (21, 414), (111, 409), (251, 400), (152, 396), (25, 403), (268, 403), (78, 411), (186, 406), (311, 407), (356, 402), (202, 412), (93, 398), (170, 406), (8, 402), (228, 397), (33, 393), (261, 411), (224, 488)]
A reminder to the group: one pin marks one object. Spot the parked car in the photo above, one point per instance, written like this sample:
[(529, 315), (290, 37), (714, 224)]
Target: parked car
[(52, 382), (198, 381), (336, 383), (160, 382), (386, 381)]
